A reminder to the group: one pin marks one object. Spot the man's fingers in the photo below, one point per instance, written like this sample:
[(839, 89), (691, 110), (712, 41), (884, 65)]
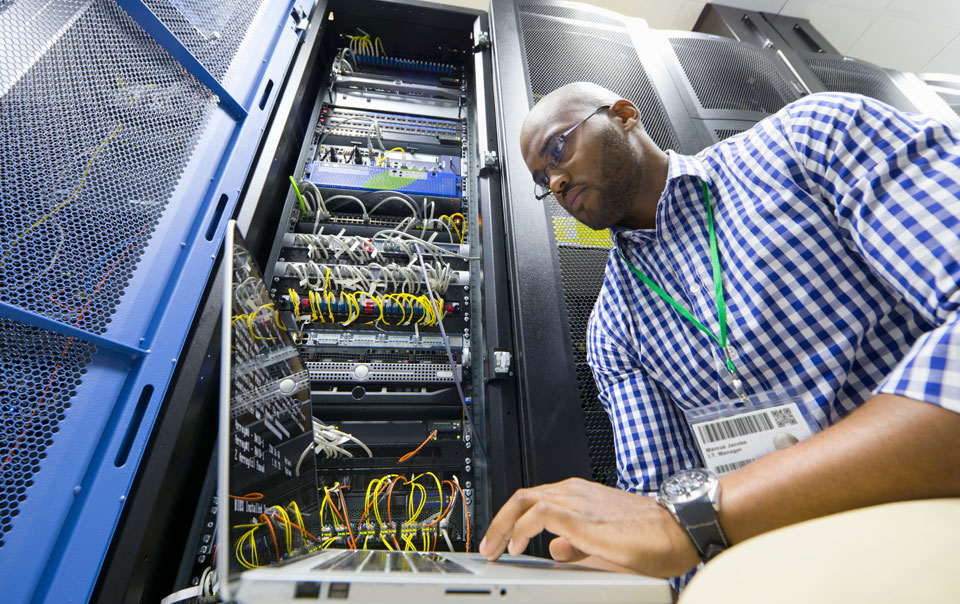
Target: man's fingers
[(562, 551), (543, 515), (567, 493), (501, 527)]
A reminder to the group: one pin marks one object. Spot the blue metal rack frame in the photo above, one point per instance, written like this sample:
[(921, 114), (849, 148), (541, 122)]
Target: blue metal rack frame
[(63, 531)]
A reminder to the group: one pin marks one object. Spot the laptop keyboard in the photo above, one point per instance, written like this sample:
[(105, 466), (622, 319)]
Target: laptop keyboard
[(390, 562)]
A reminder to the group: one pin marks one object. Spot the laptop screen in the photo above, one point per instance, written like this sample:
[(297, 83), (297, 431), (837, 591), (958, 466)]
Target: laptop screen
[(267, 483)]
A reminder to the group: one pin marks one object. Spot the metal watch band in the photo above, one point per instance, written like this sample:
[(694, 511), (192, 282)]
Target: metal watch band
[(700, 521)]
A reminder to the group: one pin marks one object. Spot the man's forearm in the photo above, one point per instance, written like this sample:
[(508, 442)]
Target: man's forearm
[(890, 449)]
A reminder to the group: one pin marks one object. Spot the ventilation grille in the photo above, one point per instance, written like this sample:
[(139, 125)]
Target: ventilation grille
[(380, 372), (563, 12), (955, 106), (597, 49), (732, 76), (212, 30), (952, 100), (839, 75), (723, 134), (93, 139), (559, 53), (39, 374), (95, 132), (581, 270)]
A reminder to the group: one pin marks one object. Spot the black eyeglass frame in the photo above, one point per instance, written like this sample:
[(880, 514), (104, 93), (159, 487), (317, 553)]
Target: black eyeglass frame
[(555, 152)]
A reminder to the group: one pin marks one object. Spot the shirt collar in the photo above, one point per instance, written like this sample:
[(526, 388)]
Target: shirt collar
[(678, 167)]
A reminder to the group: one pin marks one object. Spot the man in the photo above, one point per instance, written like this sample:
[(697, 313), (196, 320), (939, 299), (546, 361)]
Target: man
[(836, 224)]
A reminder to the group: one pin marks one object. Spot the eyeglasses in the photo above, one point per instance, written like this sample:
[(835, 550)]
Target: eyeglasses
[(555, 152)]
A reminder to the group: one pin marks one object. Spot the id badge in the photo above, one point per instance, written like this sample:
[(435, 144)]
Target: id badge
[(731, 434)]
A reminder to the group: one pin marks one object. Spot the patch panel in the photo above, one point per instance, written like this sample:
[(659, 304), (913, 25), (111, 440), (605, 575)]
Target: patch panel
[(405, 123), (392, 158), (399, 63), (385, 131)]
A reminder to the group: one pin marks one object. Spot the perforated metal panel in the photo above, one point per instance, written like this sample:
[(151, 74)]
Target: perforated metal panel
[(93, 139), (39, 374), (94, 136), (594, 50), (840, 75), (727, 133), (380, 372), (567, 12), (111, 218), (213, 30), (730, 75), (582, 269)]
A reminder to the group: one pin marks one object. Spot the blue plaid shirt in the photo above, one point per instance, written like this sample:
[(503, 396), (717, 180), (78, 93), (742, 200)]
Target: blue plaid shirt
[(838, 226)]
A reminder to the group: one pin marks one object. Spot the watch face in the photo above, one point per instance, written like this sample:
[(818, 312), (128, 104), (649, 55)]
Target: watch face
[(686, 486)]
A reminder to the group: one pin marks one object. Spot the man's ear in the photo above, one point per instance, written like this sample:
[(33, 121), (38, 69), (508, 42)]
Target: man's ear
[(625, 114)]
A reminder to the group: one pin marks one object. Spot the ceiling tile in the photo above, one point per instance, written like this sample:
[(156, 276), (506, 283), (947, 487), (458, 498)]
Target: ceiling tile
[(902, 43), (947, 60), (940, 11), (687, 14), (870, 6)]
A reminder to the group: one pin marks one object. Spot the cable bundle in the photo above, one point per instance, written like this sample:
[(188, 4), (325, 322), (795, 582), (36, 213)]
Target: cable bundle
[(328, 440), (370, 278), (246, 550)]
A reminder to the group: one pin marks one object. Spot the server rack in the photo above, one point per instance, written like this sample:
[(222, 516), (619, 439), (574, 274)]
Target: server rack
[(946, 86), (98, 491), (310, 95), (126, 139), (796, 33), (730, 85), (818, 64), (557, 265)]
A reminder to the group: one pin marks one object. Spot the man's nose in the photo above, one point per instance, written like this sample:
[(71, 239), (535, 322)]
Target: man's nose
[(558, 180)]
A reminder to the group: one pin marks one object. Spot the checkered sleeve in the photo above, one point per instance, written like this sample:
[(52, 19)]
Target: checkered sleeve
[(652, 440), (894, 181)]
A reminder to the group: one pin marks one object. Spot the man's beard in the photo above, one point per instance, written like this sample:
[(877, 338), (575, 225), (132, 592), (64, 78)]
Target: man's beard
[(621, 176)]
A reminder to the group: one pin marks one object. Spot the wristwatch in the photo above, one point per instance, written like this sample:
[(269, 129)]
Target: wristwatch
[(693, 497)]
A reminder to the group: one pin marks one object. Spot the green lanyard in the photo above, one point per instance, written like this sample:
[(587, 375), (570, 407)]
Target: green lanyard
[(721, 305)]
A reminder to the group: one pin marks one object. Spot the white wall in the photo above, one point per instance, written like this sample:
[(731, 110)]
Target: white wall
[(911, 35)]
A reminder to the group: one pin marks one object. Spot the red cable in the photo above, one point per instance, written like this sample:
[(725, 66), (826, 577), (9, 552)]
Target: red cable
[(66, 348)]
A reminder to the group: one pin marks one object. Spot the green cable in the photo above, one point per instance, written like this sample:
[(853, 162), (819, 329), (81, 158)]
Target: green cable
[(296, 189)]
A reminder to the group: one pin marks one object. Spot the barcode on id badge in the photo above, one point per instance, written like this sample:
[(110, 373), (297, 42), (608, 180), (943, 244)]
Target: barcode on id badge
[(730, 467), (734, 427)]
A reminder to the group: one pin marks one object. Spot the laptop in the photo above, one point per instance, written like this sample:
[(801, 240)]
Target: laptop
[(265, 423)]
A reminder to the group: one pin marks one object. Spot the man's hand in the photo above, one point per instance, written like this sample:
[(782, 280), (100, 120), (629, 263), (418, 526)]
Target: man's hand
[(627, 529), (890, 449)]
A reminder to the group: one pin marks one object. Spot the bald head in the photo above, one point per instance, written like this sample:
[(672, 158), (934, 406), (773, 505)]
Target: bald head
[(604, 170), (567, 103)]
